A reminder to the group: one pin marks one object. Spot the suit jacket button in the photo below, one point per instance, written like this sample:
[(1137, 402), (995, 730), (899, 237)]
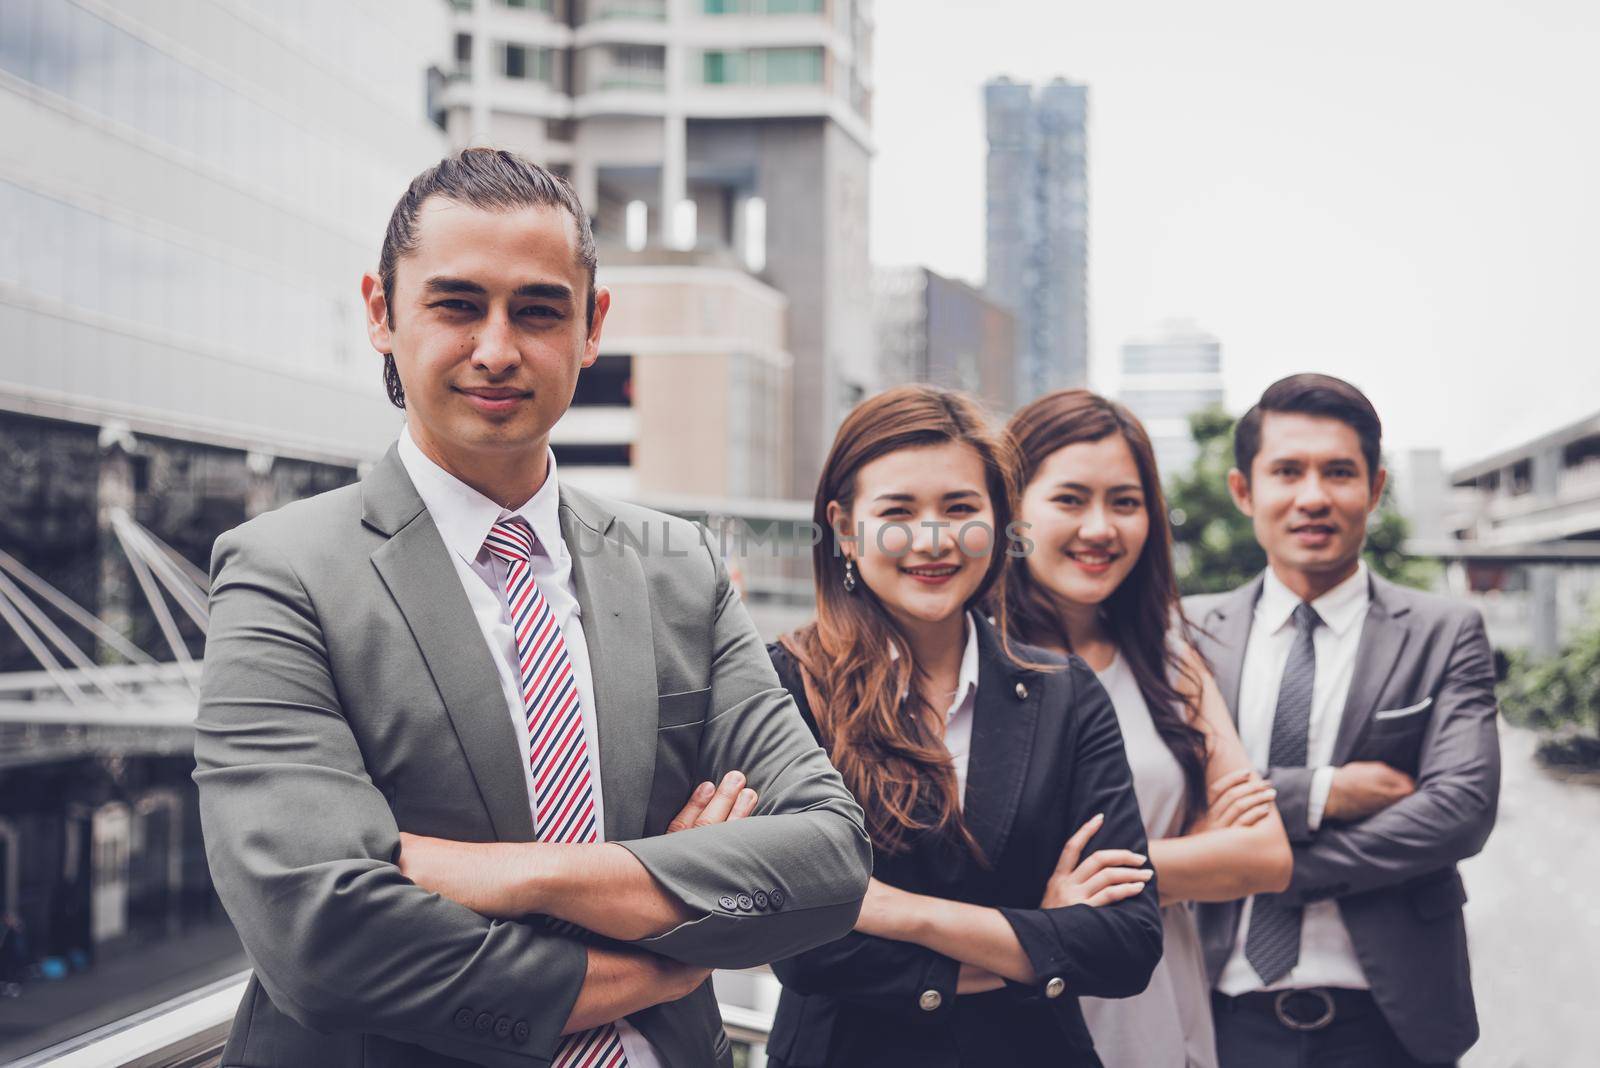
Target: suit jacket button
[(502, 1027), (1022, 691), (746, 902), (484, 1021), (777, 897), (761, 900), (519, 1031), (463, 1018), (727, 902), (1054, 987), (930, 1000)]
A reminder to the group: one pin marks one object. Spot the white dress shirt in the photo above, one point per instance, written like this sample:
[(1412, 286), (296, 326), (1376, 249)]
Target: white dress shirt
[(464, 518), (1327, 957), (958, 717)]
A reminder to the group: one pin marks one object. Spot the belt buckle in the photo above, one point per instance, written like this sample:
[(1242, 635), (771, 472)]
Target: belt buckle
[(1281, 1000)]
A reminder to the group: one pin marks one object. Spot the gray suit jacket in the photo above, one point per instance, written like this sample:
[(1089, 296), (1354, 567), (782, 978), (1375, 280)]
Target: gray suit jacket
[(349, 695), (1422, 700)]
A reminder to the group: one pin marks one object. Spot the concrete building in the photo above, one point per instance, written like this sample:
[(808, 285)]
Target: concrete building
[(942, 331), (1167, 377), (712, 126), (189, 194), (1525, 528), (1038, 228)]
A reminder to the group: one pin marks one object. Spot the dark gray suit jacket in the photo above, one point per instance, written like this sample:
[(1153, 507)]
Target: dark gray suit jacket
[(1421, 700), (349, 695)]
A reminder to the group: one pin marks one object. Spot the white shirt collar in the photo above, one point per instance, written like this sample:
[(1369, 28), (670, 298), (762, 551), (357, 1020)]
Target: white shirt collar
[(967, 677), (464, 516), (1340, 608)]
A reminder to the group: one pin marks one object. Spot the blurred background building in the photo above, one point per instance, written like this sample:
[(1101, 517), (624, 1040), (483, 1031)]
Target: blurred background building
[(940, 330), (1038, 228), (712, 137), (1524, 525), (1166, 378), (189, 194)]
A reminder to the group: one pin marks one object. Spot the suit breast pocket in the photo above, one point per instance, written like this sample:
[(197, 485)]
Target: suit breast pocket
[(1395, 734)]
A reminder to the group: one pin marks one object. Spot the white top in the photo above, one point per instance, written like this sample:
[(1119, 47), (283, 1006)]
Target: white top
[(1168, 1025), (464, 518), (1327, 957), (958, 717)]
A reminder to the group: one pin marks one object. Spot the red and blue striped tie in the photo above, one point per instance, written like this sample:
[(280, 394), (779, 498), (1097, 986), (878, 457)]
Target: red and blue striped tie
[(563, 787)]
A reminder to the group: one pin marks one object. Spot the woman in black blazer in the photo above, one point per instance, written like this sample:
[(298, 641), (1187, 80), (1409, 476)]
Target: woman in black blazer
[(1009, 862)]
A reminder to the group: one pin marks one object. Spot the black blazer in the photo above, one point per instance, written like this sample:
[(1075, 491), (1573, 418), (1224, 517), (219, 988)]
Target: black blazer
[(1046, 755)]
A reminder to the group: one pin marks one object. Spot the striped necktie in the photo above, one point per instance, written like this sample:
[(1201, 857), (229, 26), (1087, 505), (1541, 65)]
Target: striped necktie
[(1272, 945), (558, 755)]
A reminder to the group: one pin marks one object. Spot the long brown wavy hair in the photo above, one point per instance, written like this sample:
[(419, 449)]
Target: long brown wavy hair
[(885, 748), (1141, 613)]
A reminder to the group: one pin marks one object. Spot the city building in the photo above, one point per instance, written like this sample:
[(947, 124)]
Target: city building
[(736, 128), (1166, 378), (1525, 536), (1038, 228), (189, 195), (942, 331)]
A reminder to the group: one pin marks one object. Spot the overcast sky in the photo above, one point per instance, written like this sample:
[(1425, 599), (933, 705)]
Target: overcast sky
[(1405, 193)]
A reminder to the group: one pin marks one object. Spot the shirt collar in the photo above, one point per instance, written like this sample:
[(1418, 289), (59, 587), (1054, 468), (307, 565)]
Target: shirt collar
[(464, 516), (1339, 608), (967, 677)]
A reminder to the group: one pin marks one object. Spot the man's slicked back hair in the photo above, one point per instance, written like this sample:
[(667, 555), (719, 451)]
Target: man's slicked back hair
[(1311, 394), (490, 179)]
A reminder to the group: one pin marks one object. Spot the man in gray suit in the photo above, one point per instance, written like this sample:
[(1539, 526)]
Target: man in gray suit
[(1371, 709), (449, 715)]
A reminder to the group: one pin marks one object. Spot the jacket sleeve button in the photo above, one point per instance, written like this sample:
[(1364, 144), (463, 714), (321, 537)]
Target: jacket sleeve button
[(777, 897), (760, 897), (519, 1031), (727, 902), (746, 902), (502, 1027), (1054, 987), (930, 1000), (1022, 691), (484, 1021), (463, 1018)]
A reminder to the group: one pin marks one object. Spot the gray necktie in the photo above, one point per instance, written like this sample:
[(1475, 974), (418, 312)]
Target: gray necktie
[(1272, 945)]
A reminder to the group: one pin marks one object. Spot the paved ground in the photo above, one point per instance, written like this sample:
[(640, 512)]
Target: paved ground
[(1533, 916)]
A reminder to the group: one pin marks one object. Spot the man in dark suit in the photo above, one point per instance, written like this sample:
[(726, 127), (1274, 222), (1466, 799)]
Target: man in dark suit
[(449, 714), (1371, 709)]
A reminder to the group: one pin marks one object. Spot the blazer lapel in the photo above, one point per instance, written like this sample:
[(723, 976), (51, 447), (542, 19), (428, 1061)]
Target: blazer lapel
[(1383, 640), (1228, 627), (1002, 742), (415, 566), (615, 601)]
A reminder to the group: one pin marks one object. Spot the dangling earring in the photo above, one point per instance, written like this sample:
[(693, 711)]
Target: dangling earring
[(849, 575)]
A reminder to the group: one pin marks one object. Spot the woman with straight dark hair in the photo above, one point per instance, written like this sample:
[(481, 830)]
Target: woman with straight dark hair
[(1008, 850), (1099, 583)]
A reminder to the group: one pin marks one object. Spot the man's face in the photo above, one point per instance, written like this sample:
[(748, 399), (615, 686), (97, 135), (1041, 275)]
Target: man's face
[(488, 330), (1309, 493)]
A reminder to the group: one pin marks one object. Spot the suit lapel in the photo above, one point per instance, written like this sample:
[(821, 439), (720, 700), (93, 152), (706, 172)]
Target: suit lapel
[(1002, 742), (1228, 626), (1383, 640), (415, 566), (614, 598)]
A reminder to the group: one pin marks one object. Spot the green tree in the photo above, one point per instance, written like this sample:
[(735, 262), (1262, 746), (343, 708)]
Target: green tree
[(1215, 544)]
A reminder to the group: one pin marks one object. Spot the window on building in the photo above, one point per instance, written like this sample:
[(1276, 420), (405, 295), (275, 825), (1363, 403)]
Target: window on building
[(463, 53), (793, 66), (724, 68), (525, 63), (531, 5), (763, 7), (592, 455), (608, 383)]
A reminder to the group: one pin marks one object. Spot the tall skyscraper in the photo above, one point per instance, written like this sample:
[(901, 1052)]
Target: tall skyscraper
[(943, 332), (708, 135), (1166, 378), (1038, 227)]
